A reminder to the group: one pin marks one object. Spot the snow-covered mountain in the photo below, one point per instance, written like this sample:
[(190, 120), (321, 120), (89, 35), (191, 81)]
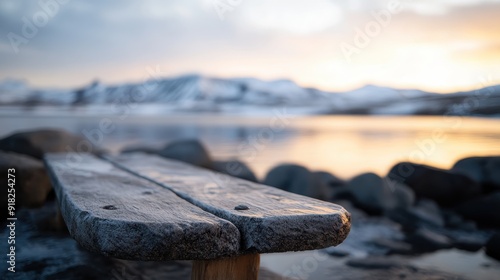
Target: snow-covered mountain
[(194, 93)]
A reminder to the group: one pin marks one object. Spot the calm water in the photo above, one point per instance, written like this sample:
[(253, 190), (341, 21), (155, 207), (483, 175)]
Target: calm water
[(344, 145)]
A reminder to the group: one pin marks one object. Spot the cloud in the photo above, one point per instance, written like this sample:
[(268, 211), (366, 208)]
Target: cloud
[(293, 16), (115, 40)]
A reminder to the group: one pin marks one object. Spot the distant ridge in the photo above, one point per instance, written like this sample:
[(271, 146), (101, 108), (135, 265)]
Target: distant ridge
[(196, 93)]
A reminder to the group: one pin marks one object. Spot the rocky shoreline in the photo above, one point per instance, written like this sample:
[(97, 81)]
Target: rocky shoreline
[(414, 209)]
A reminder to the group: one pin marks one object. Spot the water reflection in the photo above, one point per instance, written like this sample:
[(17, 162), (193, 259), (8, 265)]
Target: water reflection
[(344, 145)]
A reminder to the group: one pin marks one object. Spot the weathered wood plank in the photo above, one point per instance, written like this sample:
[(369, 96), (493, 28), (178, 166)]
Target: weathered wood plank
[(113, 212), (244, 267), (275, 221)]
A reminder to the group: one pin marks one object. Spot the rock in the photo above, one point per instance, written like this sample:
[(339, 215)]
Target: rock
[(339, 253), (140, 149), (493, 247), (376, 195), (428, 212), (393, 246), (190, 151), (468, 225), (444, 187), (370, 194), (297, 179), (329, 179), (333, 186), (485, 170), (36, 143), (376, 263), (235, 168), (32, 185), (404, 196), (484, 210), (455, 221), (468, 243), (425, 214), (452, 219), (426, 240)]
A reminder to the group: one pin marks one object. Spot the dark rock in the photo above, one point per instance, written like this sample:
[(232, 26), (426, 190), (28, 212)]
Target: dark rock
[(190, 151), (31, 183), (36, 143), (468, 225), (235, 168), (140, 149), (407, 219), (337, 253), (370, 194), (402, 194), (376, 263), (452, 219), (484, 210), (426, 240), (485, 170), (428, 212), (329, 179), (297, 179), (493, 247), (376, 195), (393, 246), (468, 243), (455, 221), (416, 217), (444, 187)]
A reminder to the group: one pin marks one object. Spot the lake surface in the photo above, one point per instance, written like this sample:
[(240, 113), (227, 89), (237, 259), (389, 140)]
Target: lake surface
[(343, 145)]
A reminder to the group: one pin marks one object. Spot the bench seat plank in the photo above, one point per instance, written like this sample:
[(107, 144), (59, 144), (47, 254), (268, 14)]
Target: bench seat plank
[(113, 212), (275, 221)]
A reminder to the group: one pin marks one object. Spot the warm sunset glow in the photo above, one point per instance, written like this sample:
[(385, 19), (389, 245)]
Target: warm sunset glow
[(438, 46)]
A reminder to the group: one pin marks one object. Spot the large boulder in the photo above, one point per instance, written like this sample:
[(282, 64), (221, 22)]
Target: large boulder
[(235, 168), (36, 143), (444, 187), (375, 195), (189, 151), (31, 184), (485, 170), (484, 210), (493, 247), (297, 179)]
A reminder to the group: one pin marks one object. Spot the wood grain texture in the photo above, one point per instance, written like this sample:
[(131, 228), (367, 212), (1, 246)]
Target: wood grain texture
[(275, 221), (113, 212), (244, 267)]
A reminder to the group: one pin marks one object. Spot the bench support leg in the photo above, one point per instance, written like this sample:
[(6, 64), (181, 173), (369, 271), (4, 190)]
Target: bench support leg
[(245, 267)]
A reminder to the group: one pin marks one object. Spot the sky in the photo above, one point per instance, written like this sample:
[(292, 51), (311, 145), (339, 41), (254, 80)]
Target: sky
[(433, 45)]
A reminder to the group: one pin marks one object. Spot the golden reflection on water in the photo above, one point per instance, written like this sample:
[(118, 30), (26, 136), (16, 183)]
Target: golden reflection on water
[(343, 145), (348, 145)]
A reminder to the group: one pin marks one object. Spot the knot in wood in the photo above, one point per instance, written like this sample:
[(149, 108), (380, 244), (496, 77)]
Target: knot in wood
[(241, 207)]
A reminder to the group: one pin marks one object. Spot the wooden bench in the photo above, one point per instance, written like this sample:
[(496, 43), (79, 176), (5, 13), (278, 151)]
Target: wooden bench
[(145, 207)]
